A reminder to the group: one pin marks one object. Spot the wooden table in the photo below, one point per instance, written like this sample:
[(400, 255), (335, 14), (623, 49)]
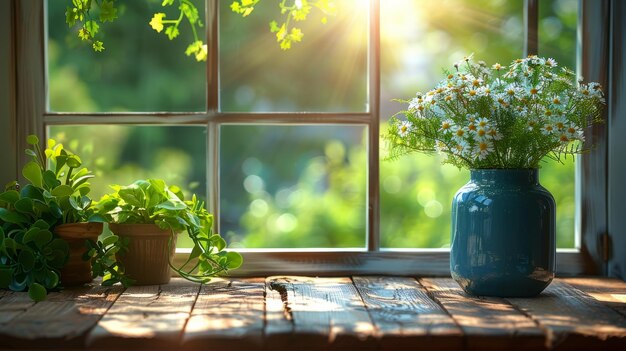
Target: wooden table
[(306, 313)]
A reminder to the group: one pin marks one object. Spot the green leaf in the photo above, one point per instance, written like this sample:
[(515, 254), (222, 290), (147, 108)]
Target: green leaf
[(98, 46), (92, 27), (70, 16), (26, 259), (51, 279), (133, 196), (37, 292), (50, 180), (73, 161), (32, 139), (167, 2), (32, 192), (274, 27), (24, 205), (43, 238), (32, 172), (10, 196), (195, 252), (41, 224), (12, 217), (62, 190), (172, 32), (110, 240), (108, 12), (235, 260), (30, 152), (172, 205), (30, 235)]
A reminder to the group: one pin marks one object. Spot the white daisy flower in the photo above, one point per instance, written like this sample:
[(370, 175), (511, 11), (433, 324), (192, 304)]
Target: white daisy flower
[(548, 129), (494, 134), (459, 133), (550, 62), (446, 126), (483, 149), (404, 128)]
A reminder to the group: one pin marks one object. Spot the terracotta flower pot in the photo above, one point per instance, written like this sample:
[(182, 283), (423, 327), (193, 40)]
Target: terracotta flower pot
[(148, 255), (77, 271)]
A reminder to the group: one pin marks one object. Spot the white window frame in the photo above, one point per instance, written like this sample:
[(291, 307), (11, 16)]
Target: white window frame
[(26, 113)]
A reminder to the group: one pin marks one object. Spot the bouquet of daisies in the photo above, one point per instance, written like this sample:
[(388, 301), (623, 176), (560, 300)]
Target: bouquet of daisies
[(499, 117)]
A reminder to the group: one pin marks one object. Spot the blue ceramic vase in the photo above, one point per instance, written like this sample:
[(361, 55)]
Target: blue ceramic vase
[(503, 234)]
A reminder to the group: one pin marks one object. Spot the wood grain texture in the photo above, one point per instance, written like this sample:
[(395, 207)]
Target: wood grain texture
[(610, 292), (316, 313), (487, 323), (575, 320), (228, 314), (405, 316), (12, 304), (151, 316), (63, 319)]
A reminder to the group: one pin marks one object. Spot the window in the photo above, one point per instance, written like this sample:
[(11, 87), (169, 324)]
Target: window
[(240, 130)]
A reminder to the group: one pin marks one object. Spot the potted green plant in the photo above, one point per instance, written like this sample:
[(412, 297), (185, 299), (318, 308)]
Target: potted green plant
[(59, 175), (151, 215), (48, 226), (500, 122)]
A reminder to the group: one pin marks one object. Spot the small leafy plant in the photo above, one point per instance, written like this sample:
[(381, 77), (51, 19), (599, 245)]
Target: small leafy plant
[(104, 264), (57, 192), (151, 201), (499, 117)]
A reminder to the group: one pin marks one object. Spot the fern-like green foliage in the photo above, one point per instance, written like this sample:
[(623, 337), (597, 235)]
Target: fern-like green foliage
[(499, 117)]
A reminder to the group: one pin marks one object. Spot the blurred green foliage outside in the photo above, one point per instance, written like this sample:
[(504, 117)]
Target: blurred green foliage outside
[(295, 186)]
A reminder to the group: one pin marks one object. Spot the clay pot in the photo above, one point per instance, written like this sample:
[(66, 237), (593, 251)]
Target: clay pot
[(147, 259), (77, 271)]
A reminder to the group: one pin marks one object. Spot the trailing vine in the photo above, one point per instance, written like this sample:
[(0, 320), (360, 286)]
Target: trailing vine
[(297, 10)]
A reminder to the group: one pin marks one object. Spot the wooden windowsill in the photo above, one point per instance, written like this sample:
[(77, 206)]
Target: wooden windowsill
[(306, 313)]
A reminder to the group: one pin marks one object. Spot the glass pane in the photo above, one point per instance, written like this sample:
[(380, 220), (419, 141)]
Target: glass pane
[(139, 69), (325, 72), (557, 31), (123, 154), (293, 186), (557, 39), (418, 39)]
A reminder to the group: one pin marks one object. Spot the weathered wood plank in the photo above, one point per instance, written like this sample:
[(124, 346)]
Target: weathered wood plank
[(228, 314), (12, 304), (487, 323), (62, 320), (151, 316), (315, 314), (574, 319), (610, 292), (405, 316)]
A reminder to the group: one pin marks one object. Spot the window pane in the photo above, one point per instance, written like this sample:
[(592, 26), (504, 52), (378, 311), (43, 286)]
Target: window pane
[(139, 70), (293, 186), (325, 72), (418, 39), (557, 31), (123, 154), (557, 39)]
